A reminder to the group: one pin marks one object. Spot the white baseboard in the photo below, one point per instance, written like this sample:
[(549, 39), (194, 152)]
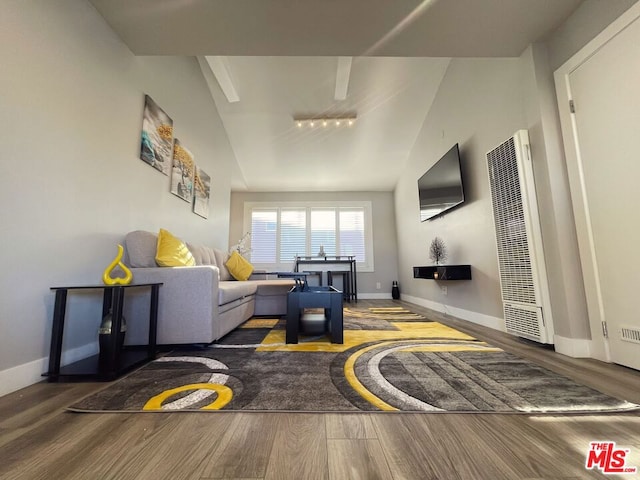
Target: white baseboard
[(15, 378), (21, 376), (479, 318), (572, 347), (374, 296)]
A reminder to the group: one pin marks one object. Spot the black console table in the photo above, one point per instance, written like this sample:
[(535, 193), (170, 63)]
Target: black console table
[(344, 262), (443, 272), (120, 359)]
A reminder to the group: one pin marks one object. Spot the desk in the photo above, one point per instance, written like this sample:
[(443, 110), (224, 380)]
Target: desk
[(342, 262), (121, 359)]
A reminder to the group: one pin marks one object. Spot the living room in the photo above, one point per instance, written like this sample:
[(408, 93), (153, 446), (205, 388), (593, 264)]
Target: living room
[(71, 120)]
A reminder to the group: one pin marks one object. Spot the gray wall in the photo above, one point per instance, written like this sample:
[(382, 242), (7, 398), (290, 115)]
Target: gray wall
[(72, 182), (481, 102), (586, 22), (384, 228), (477, 106)]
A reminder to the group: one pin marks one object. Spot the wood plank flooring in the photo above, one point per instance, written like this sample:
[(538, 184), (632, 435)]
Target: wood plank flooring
[(39, 439)]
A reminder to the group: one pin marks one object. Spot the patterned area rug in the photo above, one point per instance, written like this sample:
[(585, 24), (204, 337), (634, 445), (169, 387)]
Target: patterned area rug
[(391, 360)]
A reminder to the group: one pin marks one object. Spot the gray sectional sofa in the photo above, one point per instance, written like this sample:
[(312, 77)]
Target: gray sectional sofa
[(198, 304)]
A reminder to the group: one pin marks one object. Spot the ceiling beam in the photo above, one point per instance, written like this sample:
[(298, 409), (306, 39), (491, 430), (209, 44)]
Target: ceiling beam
[(342, 77), (220, 69)]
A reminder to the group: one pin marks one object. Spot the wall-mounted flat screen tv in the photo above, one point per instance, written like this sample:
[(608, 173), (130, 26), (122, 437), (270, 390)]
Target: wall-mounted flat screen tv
[(440, 188)]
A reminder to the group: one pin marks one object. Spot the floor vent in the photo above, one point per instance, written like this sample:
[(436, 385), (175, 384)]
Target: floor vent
[(630, 334)]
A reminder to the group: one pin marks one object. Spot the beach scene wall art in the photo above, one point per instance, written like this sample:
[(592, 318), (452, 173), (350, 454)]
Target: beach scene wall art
[(156, 147)]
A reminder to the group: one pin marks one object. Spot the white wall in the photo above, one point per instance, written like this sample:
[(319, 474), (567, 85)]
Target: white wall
[(384, 238), (72, 183)]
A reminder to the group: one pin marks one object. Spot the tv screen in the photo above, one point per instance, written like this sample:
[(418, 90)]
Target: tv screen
[(440, 188)]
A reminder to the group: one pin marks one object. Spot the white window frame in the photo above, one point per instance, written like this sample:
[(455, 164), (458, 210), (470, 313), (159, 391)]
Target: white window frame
[(366, 266)]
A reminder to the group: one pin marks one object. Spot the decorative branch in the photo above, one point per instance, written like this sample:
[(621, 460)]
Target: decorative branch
[(438, 250)]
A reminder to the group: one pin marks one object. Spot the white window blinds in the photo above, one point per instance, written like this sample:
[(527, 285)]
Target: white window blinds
[(263, 236), (293, 235), (323, 231), (352, 234), (279, 233)]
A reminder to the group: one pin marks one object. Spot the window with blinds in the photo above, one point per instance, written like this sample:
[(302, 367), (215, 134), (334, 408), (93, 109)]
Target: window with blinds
[(279, 233)]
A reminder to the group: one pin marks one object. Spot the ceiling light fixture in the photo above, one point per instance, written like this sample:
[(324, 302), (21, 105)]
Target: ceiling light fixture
[(325, 121)]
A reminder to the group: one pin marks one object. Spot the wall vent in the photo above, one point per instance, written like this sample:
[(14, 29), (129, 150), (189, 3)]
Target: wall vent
[(630, 334), (523, 279)]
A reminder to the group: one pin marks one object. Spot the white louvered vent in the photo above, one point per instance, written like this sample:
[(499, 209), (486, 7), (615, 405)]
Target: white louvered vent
[(511, 233), (630, 334), (519, 240), (523, 321)]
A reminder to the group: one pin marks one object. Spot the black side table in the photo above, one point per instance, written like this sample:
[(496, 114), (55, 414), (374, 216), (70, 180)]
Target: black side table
[(120, 360), (327, 298)]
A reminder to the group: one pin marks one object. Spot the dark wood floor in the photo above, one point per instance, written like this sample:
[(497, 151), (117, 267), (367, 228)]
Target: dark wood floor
[(39, 439)]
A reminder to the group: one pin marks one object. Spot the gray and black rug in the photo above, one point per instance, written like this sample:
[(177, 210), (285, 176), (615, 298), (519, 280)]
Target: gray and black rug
[(391, 360)]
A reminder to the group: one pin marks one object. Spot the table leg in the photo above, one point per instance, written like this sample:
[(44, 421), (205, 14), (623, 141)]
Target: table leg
[(57, 330), (336, 320), (354, 281), (111, 367), (153, 322), (293, 318)]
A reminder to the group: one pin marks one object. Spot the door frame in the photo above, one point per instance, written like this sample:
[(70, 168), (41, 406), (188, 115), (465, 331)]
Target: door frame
[(599, 345)]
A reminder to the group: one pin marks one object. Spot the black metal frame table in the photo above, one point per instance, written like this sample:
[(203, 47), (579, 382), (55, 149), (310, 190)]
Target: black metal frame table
[(328, 298), (119, 360), (349, 260), (301, 275)]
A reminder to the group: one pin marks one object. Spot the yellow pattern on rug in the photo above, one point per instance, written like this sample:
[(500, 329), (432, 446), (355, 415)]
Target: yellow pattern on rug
[(275, 340), (260, 323), (225, 394), (390, 314)]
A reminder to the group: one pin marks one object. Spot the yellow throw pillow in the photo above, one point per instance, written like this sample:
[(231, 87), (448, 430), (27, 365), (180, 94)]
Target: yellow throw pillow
[(239, 267), (172, 252)]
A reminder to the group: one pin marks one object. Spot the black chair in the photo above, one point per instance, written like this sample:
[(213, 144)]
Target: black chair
[(346, 282), (315, 273)]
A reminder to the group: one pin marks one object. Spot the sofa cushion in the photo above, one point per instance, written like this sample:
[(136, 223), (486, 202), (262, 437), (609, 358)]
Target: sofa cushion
[(172, 252), (239, 267), (221, 259), (203, 255), (231, 290), (141, 248)]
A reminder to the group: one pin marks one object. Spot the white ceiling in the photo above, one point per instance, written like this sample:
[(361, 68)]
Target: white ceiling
[(282, 58)]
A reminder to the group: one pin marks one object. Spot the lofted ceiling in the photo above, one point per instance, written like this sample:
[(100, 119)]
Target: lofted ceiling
[(279, 60)]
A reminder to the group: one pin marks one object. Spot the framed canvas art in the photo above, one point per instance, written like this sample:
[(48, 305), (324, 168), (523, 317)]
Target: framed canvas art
[(183, 172), (202, 186), (156, 146)]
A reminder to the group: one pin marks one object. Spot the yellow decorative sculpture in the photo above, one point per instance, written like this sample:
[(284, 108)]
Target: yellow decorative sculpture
[(117, 262)]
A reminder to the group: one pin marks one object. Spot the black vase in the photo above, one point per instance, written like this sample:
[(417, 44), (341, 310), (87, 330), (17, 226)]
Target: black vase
[(395, 290), (104, 338)]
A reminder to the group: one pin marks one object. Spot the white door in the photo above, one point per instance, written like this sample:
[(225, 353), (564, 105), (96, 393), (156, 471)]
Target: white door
[(605, 89)]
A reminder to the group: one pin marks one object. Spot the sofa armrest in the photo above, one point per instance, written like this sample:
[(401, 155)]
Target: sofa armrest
[(187, 303), (189, 277)]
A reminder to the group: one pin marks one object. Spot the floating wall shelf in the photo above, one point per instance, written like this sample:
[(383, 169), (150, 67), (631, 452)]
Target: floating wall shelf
[(443, 272)]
